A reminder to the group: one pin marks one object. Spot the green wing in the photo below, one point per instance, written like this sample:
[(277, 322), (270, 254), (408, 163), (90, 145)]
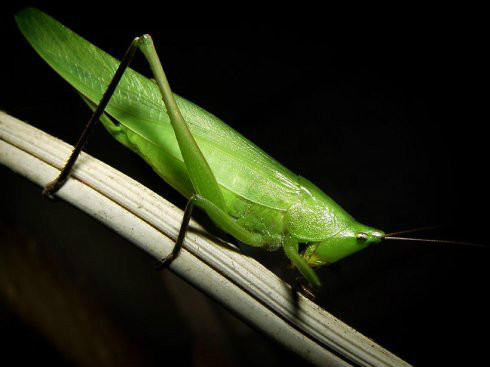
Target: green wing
[(238, 164)]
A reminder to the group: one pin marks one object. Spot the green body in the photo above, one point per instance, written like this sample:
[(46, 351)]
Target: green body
[(260, 195)]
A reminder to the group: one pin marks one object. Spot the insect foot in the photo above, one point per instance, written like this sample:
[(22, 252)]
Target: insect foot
[(50, 189), (164, 263), (303, 288)]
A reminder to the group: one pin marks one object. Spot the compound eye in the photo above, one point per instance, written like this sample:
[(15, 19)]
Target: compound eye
[(362, 237)]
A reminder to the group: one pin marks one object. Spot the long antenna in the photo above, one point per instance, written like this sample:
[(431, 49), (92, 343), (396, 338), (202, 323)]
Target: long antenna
[(433, 241), (419, 229)]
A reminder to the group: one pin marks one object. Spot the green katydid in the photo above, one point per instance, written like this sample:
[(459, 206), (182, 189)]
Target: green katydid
[(244, 191)]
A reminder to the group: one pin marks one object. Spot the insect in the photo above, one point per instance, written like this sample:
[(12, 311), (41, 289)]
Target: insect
[(243, 190)]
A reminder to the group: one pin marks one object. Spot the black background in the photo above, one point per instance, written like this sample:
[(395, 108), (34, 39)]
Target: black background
[(387, 121)]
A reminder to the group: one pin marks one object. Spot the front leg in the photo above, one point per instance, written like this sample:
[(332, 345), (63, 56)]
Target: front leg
[(292, 252)]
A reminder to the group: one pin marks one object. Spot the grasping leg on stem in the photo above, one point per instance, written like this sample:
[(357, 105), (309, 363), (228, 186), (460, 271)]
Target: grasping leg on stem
[(226, 222)]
